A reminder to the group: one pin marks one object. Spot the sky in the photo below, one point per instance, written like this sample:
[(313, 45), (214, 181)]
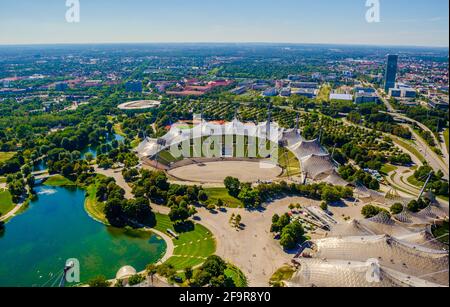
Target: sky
[(402, 22)]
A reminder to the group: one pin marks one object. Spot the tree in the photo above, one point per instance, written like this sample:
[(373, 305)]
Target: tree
[(330, 195), (151, 271), (238, 221), (114, 212), (214, 265), (89, 157), (99, 282), (396, 208), (202, 196), (249, 197), (179, 214), (279, 223), (188, 273), (291, 235), (232, 218), (369, 211), (136, 280), (233, 185), (324, 206), (413, 206)]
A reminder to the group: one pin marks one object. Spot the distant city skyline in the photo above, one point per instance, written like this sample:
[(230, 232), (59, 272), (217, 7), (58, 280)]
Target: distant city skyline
[(402, 22)]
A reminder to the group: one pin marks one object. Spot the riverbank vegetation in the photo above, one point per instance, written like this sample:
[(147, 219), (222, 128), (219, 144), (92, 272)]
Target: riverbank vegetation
[(59, 181), (6, 202)]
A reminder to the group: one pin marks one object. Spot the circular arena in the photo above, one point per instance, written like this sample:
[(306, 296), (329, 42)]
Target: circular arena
[(139, 105), (292, 155), (216, 172)]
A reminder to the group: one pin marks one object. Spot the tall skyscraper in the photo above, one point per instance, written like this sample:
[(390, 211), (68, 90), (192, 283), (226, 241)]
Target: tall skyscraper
[(391, 72)]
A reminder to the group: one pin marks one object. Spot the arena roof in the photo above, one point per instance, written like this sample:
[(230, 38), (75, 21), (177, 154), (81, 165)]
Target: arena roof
[(405, 257), (338, 273), (314, 159)]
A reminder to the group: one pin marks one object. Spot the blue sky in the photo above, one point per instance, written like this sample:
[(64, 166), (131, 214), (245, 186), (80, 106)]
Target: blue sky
[(403, 22)]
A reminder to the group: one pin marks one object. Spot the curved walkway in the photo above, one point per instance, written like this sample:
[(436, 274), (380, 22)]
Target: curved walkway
[(170, 247), (11, 213)]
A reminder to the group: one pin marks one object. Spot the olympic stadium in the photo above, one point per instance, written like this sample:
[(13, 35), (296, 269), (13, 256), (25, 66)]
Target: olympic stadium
[(237, 152)]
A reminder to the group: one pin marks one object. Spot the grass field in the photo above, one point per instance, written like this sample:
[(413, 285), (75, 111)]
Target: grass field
[(5, 156), (2, 179), (92, 206), (6, 203), (446, 138), (191, 248), (409, 147), (387, 168), (413, 181), (59, 181), (214, 194)]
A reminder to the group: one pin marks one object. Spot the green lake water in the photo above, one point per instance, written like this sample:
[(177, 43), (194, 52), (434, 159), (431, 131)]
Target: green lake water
[(35, 245)]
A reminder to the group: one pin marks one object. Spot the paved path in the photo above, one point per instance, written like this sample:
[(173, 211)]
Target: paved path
[(11, 213), (117, 175), (169, 243)]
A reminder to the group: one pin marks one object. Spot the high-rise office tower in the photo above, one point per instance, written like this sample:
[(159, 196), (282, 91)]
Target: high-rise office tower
[(391, 72)]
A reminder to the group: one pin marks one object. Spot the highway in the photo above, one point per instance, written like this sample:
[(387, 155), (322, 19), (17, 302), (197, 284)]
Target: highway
[(435, 161)]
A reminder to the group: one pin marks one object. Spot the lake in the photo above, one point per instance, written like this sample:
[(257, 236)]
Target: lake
[(36, 244)]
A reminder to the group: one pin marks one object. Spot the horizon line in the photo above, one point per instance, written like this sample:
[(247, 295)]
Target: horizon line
[(219, 43)]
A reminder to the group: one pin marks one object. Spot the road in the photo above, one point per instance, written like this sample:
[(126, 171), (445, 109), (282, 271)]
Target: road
[(430, 156), (435, 161)]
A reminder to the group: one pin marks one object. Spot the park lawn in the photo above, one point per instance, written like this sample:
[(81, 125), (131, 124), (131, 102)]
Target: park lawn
[(387, 168), (191, 248), (59, 181), (5, 156), (214, 194), (6, 203), (446, 138), (94, 208), (413, 181), (409, 147)]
